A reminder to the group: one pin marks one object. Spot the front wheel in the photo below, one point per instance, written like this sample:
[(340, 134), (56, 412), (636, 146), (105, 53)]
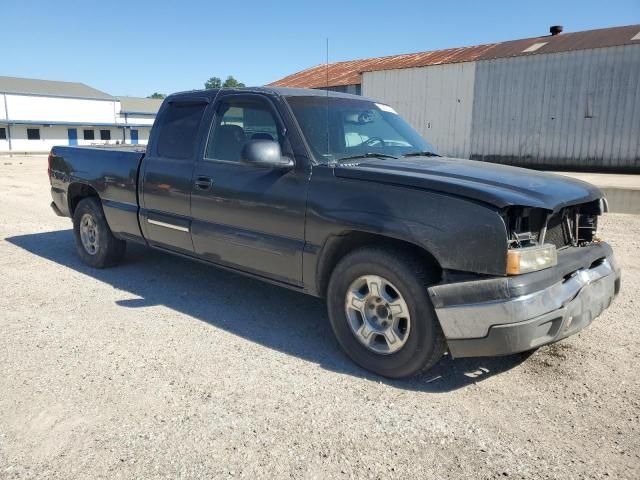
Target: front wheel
[(95, 243), (381, 313)]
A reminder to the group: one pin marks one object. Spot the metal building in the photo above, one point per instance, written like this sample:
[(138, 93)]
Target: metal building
[(562, 101)]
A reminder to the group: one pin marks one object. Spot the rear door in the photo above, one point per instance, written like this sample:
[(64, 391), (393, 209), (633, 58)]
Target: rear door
[(244, 216), (167, 170)]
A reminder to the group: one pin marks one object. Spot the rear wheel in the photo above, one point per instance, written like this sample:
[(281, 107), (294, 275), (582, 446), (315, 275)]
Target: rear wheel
[(381, 313), (95, 243)]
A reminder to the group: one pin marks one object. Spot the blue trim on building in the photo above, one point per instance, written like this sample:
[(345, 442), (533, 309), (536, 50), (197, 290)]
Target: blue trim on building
[(138, 113), (80, 124)]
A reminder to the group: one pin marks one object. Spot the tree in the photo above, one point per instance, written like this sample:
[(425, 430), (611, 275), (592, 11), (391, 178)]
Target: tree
[(157, 95), (213, 82), (230, 82)]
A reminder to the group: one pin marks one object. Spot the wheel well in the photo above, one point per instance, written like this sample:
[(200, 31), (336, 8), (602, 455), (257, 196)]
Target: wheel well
[(337, 247), (77, 192)]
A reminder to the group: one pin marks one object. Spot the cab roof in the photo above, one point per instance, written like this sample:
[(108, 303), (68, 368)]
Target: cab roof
[(279, 91)]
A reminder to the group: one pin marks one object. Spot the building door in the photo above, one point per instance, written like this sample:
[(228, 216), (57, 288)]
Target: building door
[(72, 134), (134, 137)]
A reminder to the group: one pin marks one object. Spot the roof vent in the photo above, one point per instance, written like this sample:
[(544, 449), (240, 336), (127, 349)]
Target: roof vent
[(555, 30)]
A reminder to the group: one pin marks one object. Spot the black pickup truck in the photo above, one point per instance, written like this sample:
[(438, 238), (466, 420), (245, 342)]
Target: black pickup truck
[(337, 196)]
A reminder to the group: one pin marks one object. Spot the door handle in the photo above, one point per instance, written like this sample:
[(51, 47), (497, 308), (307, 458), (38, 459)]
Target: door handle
[(203, 183)]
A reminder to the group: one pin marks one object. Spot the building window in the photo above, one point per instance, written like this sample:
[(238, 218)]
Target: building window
[(105, 134), (33, 133), (89, 134), (3, 133)]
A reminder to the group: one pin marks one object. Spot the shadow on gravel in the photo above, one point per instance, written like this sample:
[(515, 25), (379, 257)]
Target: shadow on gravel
[(272, 316)]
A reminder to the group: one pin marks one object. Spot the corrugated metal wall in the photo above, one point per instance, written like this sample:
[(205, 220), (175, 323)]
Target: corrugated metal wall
[(571, 110), (566, 110), (436, 100)]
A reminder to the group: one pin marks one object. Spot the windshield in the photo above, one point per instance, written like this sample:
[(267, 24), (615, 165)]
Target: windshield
[(354, 127)]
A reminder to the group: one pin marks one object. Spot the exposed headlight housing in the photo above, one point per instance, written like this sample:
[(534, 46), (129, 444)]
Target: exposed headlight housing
[(531, 259)]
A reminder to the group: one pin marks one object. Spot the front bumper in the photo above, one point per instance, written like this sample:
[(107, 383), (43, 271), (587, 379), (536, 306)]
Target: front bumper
[(524, 312)]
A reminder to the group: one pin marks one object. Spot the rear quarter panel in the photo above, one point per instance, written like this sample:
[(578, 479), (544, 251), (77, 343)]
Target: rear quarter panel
[(113, 174)]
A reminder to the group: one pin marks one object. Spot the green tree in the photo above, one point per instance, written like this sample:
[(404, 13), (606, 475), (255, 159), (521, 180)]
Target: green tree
[(157, 95), (230, 82), (213, 82)]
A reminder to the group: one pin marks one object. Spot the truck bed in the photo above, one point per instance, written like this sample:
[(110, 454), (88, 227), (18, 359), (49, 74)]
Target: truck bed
[(109, 171), (117, 147)]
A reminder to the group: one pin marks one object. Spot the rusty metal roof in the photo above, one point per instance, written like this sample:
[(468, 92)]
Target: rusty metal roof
[(349, 72), (566, 42)]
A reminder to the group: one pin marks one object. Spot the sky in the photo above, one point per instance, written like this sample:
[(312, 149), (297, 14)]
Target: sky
[(140, 47)]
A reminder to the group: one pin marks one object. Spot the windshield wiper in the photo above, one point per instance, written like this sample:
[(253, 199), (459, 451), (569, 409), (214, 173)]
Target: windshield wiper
[(366, 155), (421, 154)]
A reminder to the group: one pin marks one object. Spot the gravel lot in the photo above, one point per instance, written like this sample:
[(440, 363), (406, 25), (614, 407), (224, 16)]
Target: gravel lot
[(167, 368)]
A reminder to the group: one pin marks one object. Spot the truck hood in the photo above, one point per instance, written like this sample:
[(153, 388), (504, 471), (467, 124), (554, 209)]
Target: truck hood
[(498, 185)]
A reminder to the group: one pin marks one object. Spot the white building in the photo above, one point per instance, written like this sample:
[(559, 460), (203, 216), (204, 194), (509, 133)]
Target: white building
[(35, 115)]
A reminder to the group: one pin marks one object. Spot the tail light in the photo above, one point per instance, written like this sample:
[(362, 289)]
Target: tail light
[(49, 162)]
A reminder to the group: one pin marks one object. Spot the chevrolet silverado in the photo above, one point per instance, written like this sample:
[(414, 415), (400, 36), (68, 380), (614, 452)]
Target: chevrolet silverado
[(337, 196)]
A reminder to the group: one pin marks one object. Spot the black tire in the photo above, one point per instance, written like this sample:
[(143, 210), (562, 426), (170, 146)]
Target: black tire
[(109, 250), (425, 343)]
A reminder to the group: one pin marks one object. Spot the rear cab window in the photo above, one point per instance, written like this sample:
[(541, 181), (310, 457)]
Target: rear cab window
[(179, 125)]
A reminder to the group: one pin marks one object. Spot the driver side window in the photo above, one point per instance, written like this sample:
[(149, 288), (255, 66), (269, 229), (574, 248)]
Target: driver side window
[(236, 122)]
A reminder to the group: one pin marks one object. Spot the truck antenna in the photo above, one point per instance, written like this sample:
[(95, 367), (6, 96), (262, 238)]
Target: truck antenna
[(327, 90)]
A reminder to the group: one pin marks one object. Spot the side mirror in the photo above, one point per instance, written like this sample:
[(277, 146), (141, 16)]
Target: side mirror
[(265, 154)]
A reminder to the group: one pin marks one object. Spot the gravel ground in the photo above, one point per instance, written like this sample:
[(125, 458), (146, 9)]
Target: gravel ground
[(163, 367)]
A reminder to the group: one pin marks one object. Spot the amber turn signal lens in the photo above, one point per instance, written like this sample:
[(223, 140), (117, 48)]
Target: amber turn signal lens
[(531, 259)]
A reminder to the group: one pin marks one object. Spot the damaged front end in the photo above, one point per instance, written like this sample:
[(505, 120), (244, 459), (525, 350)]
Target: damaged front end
[(559, 277), (535, 235)]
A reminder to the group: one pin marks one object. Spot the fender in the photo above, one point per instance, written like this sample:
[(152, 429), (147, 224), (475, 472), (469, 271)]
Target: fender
[(460, 234)]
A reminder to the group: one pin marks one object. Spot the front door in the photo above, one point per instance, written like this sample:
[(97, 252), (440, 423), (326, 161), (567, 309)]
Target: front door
[(134, 137), (244, 216), (165, 177), (72, 134)]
